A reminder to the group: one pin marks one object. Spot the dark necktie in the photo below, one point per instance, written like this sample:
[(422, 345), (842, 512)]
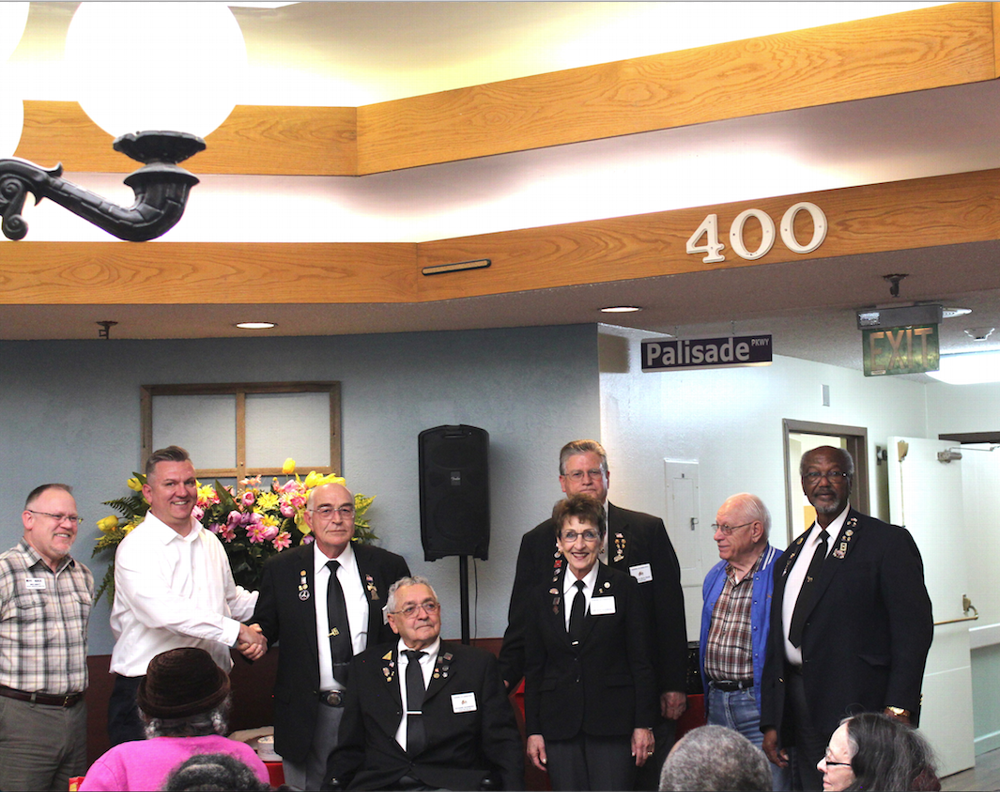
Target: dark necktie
[(415, 737), (576, 614), (807, 592), (341, 648)]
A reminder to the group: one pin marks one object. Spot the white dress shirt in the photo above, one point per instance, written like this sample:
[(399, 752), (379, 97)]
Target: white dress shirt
[(357, 610), (798, 574), (570, 591), (426, 666), (173, 591)]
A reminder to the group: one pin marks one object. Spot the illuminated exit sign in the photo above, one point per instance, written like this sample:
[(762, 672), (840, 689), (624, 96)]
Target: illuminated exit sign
[(901, 350)]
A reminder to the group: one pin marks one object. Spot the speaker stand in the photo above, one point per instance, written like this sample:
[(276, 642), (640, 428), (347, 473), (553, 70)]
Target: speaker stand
[(463, 587)]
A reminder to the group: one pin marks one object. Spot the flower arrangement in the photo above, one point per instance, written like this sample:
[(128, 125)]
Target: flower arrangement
[(254, 522)]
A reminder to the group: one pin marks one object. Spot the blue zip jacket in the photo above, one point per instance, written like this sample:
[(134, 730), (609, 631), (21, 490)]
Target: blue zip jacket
[(760, 613)]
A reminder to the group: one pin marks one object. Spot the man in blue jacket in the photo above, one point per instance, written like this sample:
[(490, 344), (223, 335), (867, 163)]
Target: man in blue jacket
[(735, 618)]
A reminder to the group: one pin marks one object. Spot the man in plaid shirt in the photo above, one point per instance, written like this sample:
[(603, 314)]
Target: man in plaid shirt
[(735, 618), (45, 599)]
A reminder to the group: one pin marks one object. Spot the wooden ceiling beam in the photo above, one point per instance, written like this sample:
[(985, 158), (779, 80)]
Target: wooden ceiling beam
[(910, 51), (919, 213)]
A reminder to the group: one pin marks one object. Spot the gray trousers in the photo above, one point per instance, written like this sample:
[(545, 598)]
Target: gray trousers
[(41, 747), (309, 774)]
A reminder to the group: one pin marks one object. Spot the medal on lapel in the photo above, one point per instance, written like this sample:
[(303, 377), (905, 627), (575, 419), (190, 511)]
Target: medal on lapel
[(303, 587), (841, 551), (443, 665), (619, 547), (389, 667), (370, 585)]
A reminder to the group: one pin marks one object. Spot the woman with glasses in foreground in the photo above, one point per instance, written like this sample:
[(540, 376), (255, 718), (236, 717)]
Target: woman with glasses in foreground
[(872, 751), (589, 692)]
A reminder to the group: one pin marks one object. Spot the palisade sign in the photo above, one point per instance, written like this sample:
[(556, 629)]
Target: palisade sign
[(679, 354)]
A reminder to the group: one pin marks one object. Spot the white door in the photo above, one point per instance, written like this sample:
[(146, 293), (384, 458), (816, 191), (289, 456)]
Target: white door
[(925, 496), (684, 531)]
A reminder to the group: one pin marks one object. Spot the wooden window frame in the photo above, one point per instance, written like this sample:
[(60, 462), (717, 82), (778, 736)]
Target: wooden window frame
[(240, 391)]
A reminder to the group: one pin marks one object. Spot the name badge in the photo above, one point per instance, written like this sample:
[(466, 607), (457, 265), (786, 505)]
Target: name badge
[(602, 606), (463, 702), (35, 584), (641, 572)]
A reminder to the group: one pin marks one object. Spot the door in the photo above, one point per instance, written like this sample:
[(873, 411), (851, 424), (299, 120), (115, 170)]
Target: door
[(683, 529), (925, 496)]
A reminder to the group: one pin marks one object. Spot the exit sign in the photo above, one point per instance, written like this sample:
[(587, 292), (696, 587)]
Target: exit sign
[(901, 350)]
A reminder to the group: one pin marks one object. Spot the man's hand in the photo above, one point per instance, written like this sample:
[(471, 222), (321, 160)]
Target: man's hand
[(536, 751), (672, 704), (251, 642), (779, 758), (643, 745)]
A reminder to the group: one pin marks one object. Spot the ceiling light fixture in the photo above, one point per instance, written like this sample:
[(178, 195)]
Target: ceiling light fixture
[(969, 369), (621, 309), (951, 313), (979, 333), (255, 325)]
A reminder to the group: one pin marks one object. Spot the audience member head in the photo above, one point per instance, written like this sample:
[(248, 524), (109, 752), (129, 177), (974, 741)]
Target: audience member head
[(184, 694), (171, 487), (742, 525), (827, 475), (216, 772), (414, 612), (50, 522), (872, 751), (715, 758), (329, 513), (580, 527)]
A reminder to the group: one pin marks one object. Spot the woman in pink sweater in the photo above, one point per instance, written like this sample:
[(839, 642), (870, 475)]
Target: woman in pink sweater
[(184, 701)]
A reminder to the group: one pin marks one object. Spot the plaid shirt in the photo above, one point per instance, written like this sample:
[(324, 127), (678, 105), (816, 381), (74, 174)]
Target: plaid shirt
[(729, 653), (43, 623)]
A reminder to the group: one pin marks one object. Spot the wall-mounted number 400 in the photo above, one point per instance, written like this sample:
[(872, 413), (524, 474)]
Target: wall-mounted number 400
[(709, 229)]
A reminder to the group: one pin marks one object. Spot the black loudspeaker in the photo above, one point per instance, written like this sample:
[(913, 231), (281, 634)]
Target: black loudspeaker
[(454, 492)]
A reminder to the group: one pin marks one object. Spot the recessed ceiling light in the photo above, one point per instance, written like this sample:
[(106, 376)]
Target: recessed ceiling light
[(255, 325), (979, 333), (969, 369), (951, 313), (621, 309)]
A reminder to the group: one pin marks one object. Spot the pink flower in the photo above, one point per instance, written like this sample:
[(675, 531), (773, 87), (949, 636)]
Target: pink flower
[(286, 509), (256, 532), (213, 527), (197, 512), (248, 498), (282, 541), (306, 540), (227, 532), (269, 532), (298, 501), (233, 519)]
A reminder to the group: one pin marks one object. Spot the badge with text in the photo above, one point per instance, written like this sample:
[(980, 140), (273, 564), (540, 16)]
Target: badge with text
[(602, 606), (463, 702), (641, 572), (35, 584)]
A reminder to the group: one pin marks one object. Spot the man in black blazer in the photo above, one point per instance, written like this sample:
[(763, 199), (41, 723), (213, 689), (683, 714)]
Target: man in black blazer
[(293, 610), (463, 731), (637, 544), (851, 622)]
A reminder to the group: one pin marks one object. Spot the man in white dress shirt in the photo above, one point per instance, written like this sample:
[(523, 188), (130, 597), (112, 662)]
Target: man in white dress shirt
[(173, 588)]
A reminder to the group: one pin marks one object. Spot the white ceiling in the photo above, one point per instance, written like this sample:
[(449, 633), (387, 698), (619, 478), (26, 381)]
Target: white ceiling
[(354, 53)]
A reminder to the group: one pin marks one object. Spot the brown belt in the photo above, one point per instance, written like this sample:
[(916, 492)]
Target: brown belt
[(69, 700)]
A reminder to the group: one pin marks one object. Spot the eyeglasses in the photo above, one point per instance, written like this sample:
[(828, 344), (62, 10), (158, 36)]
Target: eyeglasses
[(59, 517), (579, 475), (588, 536), (409, 611), (728, 529), (832, 476), (326, 512), (828, 761)]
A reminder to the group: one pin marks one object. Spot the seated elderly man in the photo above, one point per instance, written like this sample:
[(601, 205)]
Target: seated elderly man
[(184, 701), (713, 759), (422, 713)]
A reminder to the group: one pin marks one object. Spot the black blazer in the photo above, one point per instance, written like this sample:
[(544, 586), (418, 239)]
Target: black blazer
[(462, 747), (866, 638), (633, 539), (605, 685), (288, 619)]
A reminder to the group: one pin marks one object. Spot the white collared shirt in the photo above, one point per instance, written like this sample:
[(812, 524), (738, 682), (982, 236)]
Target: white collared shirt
[(793, 585), (426, 666), (570, 591), (357, 610), (173, 591)]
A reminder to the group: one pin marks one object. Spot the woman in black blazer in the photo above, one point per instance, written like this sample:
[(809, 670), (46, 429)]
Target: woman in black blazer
[(589, 693)]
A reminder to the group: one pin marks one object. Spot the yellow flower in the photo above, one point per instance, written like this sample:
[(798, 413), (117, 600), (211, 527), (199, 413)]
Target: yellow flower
[(108, 524), (128, 528), (289, 467), (315, 479), (266, 501), (134, 484), (269, 520)]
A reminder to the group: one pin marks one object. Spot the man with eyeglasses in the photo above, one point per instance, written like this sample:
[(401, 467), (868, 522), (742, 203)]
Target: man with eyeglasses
[(735, 619), (851, 622), (174, 588), (423, 713), (323, 602), (637, 544), (45, 599)]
